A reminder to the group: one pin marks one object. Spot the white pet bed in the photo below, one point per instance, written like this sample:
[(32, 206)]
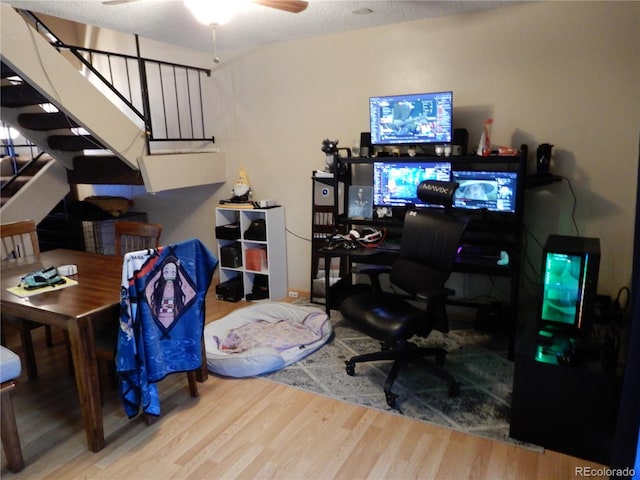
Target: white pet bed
[(264, 337)]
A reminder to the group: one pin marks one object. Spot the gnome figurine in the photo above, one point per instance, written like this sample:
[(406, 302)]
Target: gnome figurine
[(241, 189)]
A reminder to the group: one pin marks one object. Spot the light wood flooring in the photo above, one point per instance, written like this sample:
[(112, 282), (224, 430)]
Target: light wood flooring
[(249, 428)]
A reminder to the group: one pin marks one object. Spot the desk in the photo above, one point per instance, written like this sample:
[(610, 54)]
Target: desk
[(380, 256), (78, 310)]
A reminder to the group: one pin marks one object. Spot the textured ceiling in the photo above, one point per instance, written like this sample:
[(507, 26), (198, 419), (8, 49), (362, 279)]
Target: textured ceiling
[(169, 21)]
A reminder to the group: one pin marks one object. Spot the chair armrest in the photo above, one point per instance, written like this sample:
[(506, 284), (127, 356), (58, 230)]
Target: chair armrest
[(374, 272), (427, 295)]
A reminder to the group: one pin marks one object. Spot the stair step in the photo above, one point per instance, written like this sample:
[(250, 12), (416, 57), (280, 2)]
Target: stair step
[(21, 95), (103, 170), (9, 190), (46, 121), (6, 71), (33, 168), (74, 143)]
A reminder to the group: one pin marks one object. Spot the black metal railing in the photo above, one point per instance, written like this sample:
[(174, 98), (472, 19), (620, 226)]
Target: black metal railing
[(12, 152), (177, 113)]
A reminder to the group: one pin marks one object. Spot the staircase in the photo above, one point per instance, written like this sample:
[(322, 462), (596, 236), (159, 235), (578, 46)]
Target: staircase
[(93, 142)]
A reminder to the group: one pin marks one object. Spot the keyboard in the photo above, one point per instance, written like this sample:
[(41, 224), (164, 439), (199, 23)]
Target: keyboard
[(390, 244)]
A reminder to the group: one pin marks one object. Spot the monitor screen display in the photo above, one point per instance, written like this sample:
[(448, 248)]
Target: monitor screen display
[(396, 183), (492, 191), (411, 119)]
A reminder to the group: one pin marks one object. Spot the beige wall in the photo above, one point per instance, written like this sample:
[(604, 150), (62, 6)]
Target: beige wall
[(565, 73), (562, 72)]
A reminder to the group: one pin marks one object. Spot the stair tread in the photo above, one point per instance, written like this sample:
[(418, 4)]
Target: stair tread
[(6, 71), (103, 169), (21, 95), (74, 143), (46, 121)]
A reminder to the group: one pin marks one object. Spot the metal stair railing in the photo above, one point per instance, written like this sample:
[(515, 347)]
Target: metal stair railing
[(102, 64), (8, 149)]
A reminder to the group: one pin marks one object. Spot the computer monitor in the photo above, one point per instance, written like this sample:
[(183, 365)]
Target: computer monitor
[(486, 190), (395, 184), (570, 267), (414, 119)]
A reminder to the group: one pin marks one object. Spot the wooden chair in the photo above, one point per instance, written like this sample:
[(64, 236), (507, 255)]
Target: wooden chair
[(130, 237), (134, 236), (170, 346), (10, 369), (19, 240)]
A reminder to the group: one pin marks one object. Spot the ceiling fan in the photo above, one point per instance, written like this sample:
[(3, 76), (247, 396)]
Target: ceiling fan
[(217, 12), (292, 6)]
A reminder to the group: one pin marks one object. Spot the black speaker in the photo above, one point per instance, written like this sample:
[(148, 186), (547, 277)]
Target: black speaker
[(461, 141), (365, 144)]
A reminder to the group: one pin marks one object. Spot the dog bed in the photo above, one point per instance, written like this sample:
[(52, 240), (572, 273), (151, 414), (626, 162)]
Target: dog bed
[(264, 337)]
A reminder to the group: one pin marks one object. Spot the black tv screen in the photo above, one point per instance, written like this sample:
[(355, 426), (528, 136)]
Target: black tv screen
[(414, 119)]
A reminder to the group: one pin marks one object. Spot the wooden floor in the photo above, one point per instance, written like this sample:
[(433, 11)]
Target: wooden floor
[(250, 428)]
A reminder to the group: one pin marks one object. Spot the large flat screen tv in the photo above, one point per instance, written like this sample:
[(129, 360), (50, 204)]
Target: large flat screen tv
[(396, 183), (415, 119)]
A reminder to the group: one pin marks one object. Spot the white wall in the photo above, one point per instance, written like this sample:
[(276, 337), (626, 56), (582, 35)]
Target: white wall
[(565, 73)]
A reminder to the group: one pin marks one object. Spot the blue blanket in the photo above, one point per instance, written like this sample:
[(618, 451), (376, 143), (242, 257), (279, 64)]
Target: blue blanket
[(162, 311)]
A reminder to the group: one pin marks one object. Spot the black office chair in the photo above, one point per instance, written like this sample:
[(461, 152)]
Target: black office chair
[(430, 240)]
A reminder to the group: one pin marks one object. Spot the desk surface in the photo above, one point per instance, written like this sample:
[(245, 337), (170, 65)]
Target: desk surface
[(462, 263), (98, 288)]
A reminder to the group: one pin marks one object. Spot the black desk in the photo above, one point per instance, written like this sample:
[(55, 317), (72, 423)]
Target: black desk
[(462, 264)]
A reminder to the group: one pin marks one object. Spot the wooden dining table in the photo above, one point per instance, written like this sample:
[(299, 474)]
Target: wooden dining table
[(78, 309)]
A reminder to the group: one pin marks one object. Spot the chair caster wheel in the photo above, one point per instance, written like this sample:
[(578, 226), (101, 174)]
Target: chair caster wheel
[(391, 399), (440, 358), (351, 367), (454, 390)]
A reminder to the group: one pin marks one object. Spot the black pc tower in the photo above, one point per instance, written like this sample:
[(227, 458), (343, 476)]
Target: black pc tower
[(564, 399)]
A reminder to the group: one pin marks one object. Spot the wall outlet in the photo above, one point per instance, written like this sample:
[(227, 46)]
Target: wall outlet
[(293, 294)]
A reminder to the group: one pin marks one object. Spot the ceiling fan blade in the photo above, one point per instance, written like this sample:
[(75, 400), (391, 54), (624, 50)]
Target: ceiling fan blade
[(292, 6)]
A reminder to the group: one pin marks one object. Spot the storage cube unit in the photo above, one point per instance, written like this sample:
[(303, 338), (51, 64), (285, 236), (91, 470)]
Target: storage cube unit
[(258, 253)]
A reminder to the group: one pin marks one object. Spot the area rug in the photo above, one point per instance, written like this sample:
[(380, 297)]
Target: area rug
[(477, 360)]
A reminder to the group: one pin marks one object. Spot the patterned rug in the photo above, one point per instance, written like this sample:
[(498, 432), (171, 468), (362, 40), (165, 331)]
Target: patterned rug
[(477, 360)]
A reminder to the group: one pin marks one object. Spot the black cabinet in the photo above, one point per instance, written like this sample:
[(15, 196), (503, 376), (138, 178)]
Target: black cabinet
[(567, 408)]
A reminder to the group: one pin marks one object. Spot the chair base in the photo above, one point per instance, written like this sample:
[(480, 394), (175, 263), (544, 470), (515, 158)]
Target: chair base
[(404, 353)]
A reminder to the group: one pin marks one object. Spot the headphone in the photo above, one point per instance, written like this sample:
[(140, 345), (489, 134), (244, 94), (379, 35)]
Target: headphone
[(367, 236)]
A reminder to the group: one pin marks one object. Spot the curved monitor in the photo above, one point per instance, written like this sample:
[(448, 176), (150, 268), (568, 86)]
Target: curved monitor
[(415, 119)]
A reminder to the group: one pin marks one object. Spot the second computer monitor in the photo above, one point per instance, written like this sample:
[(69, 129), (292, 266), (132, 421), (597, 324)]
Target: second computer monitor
[(486, 190)]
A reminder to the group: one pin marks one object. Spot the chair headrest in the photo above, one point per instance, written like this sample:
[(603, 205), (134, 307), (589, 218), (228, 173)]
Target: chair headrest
[(436, 192)]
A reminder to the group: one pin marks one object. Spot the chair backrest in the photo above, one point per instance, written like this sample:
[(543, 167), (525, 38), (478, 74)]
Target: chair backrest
[(134, 236), (19, 239), (430, 242)]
